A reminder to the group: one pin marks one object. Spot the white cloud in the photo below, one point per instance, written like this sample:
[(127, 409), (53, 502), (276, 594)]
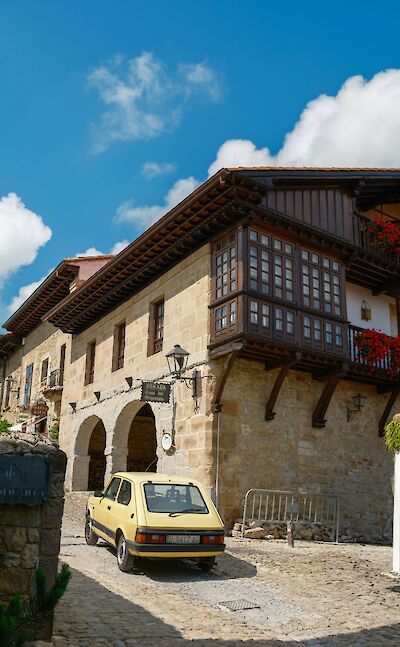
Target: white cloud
[(199, 77), (23, 232), (23, 293), (145, 216), (142, 100), (360, 126), (93, 251), (239, 152), (154, 169), (119, 246)]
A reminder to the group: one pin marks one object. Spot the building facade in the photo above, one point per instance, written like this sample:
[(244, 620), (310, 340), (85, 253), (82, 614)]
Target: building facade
[(267, 278)]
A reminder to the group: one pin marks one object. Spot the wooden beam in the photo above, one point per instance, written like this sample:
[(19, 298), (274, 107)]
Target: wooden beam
[(318, 417), (219, 388), (280, 378), (388, 408)]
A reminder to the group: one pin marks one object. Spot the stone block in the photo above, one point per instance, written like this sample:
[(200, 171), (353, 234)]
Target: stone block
[(30, 556), (14, 539), (255, 533), (52, 513), (8, 560), (17, 581), (49, 542)]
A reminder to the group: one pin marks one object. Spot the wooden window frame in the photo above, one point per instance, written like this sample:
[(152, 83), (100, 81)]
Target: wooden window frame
[(90, 362), (271, 266), (43, 376), (118, 357), (63, 353), (155, 341), (225, 266)]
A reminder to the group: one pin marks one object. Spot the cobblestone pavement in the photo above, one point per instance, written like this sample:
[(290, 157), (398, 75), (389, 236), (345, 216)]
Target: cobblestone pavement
[(313, 595)]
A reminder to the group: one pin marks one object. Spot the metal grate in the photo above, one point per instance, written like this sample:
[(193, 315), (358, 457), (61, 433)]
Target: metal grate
[(239, 605)]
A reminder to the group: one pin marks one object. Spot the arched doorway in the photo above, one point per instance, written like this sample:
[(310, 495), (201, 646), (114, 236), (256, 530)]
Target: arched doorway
[(142, 442), (97, 463), (89, 462)]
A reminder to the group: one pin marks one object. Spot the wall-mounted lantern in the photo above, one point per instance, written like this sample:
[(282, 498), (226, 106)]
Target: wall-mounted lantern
[(365, 311), (358, 402), (177, 359)]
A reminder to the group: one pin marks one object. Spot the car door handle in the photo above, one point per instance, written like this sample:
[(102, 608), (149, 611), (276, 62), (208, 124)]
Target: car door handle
[(108, 507)]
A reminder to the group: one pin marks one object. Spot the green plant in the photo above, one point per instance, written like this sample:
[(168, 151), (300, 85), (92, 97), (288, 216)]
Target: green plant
[(392, 436), (54, 429), (19, 620), (4, 426)]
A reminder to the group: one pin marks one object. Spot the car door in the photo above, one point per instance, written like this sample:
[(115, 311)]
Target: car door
[(124, 510), (103, 517)]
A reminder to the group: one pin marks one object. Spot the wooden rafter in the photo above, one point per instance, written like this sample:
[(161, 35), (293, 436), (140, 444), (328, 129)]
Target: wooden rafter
[(318, 417), (220, 385), (284, 367), (389, 405)]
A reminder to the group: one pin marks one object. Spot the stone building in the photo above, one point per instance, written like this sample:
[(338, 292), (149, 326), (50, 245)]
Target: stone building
[(267, 278)]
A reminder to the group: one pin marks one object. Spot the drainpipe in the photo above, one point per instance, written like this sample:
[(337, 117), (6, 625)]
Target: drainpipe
[(3, 377), (217, 409)]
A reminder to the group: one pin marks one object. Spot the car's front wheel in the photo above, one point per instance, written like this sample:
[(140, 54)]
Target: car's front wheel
[(125, 561), (90, 536)]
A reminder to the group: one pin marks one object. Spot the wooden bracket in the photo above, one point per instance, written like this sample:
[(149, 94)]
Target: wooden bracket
[(219, 389), (318, 418), (388, 408), (280, 378)]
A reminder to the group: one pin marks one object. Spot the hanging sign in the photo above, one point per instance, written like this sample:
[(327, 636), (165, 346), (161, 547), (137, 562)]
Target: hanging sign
[(155, 392), (39, 409), (24, 479)]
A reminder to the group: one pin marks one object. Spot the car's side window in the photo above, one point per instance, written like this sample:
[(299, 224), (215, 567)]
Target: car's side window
[(111, 491), (125, 493)]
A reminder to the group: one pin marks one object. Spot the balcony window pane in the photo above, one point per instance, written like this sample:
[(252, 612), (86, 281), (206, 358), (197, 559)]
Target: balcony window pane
[(265, 240), (338, 336), (254, 312), (307, 327), (277, 244), (328, 333), (278, 319), (253, 235)]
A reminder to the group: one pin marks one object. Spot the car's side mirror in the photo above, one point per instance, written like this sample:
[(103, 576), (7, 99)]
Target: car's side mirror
[(98, 493)]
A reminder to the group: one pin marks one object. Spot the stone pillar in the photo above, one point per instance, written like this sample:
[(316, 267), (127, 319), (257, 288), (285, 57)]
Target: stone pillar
[(29, 534), (80, 473), (116, 458)]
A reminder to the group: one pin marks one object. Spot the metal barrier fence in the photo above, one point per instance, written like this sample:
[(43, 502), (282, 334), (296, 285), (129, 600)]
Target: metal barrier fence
[(281, 506)]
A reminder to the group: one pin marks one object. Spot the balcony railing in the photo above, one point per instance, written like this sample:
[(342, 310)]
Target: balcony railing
[(53, 380), (366, 239), (356, 357)]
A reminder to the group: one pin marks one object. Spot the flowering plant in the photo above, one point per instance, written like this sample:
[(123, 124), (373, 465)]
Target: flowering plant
[(374, 346), (386, 233)]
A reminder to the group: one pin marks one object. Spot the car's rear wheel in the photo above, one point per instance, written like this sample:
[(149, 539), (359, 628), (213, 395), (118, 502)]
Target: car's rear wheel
[(125, 561), (90, 536), (206, 563)]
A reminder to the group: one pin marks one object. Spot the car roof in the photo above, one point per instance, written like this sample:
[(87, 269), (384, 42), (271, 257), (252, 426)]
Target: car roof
[(144, 477)]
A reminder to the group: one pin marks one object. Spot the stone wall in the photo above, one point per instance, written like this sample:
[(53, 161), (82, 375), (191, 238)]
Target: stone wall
[(44, 342), (30, 535), (344, 458)]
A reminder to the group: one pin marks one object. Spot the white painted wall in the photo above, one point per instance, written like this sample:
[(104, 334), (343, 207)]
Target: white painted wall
[(383, 316)]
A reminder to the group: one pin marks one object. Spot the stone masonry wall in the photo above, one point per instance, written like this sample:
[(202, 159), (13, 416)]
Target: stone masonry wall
[(30, 535), (344, 458)]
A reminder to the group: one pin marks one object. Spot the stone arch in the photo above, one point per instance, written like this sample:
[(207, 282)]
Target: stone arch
[(135, 439), (89, 455)]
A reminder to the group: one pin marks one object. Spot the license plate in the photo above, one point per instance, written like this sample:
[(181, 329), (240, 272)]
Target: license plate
[(183, 539)]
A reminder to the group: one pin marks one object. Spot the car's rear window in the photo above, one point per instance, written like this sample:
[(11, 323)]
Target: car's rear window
[(171, 497)]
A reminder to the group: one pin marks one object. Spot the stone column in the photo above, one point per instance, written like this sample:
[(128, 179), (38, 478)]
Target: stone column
[(80, 473), (116, 460)]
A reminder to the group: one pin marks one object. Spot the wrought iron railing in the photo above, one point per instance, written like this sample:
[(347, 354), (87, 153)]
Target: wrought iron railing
[(367, 240), (356, 357), (281, 506), (53, 380)]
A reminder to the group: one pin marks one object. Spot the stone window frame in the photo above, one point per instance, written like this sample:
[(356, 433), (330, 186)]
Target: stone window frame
[(118, 356), (90, 362)]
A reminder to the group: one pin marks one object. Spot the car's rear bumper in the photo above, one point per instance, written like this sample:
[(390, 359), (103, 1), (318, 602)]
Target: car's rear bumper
[(174, 550)]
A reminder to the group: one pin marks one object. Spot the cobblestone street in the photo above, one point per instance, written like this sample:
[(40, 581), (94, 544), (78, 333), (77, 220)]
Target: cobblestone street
[(314, 594)]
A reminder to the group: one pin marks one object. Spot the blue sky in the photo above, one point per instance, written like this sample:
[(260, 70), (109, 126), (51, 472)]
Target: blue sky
[(93, 91)]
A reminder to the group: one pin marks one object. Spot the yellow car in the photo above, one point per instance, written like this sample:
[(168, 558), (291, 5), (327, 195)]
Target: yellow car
[(155, 515)]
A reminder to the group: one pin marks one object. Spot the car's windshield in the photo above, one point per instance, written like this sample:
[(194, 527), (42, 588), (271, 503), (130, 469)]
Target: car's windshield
[(171, 497)]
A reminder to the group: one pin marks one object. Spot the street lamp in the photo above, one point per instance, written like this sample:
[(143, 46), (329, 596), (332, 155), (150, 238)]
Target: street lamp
[(177, 359)]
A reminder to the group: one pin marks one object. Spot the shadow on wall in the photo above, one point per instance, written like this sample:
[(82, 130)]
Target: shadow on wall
[(91, 611)]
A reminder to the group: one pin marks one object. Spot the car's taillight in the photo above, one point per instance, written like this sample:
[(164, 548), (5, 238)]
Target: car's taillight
[(147, 538), (212, 539)]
